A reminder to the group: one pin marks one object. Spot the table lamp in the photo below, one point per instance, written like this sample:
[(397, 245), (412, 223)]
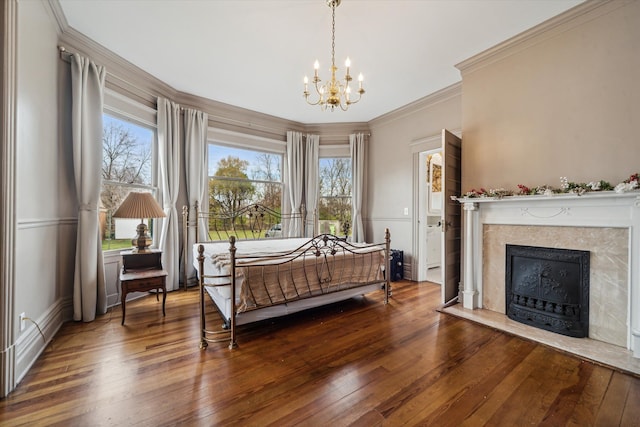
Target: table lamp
[(140, 205)]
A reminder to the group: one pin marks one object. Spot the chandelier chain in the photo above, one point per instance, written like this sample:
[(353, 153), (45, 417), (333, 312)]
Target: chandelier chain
[(333, 34)]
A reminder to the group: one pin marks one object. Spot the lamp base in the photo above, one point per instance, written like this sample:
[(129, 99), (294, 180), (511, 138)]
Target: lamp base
[(142, 241)]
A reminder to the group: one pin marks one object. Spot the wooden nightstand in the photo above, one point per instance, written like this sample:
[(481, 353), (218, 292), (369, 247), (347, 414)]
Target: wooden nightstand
[(142, 272)]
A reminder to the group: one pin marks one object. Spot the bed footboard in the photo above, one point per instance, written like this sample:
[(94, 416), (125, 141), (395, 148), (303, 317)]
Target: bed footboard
[(322, 268)]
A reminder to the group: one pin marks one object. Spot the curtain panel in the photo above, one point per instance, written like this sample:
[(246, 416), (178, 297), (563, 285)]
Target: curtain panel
[(87, 93), (169, 164), (311, 164), (358, 163), (196, 124), (294, 176)]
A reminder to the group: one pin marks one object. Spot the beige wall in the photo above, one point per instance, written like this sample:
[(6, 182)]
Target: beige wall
[(565, 105)]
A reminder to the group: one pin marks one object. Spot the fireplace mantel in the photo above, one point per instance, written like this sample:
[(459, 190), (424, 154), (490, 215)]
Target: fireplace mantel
[(605, 209)]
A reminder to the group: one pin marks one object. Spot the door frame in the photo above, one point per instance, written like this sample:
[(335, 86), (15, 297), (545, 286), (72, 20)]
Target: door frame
[(418, 146)]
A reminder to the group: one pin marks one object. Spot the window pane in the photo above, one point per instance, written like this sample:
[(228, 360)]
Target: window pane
[(334, 205), (239, 178), (256, 165), (127, 159), (117, 233), (228, 195), (126, 152)]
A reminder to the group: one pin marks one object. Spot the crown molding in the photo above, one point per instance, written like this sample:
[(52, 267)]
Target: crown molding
[(442, 95), (238, 119), (140, 85), (337, 133), (58, 15), (574, 17)]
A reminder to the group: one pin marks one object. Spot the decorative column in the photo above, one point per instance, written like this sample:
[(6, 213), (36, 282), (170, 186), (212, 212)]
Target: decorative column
[(469, 292), (634, 288), (8, 85)]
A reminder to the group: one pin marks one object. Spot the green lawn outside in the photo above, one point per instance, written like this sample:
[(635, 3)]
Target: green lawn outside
[(112, 244), (240, 234)]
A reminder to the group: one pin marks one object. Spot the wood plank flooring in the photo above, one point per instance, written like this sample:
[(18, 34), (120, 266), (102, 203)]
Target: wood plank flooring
[(356, 363)]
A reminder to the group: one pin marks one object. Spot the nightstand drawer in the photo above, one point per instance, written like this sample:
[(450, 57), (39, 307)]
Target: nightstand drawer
[(144, 284)]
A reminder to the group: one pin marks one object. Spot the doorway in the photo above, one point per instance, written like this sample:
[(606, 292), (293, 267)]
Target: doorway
[(430, 216)]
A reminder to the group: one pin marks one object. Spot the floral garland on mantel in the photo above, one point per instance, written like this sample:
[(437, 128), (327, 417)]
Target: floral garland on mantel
[(566, 187)]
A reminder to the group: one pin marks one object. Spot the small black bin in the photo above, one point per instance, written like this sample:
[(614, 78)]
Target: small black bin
[(397, 269)]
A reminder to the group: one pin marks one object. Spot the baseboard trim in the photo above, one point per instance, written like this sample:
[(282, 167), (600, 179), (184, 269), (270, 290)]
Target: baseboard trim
[(31, 344)]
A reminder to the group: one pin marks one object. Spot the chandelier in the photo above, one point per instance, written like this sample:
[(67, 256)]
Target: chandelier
[(334, 93)]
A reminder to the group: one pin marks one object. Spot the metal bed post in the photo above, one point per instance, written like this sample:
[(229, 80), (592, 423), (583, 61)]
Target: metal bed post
[(387, 249), (196, 210), (232, 318), (186, 249), (203, 332), (185, 244)]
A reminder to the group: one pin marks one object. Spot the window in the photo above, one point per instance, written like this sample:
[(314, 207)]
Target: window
[(239, 177), (334, 204), (127, 165)]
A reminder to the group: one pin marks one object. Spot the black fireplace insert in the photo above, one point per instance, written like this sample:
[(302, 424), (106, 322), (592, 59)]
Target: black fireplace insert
[(548, 288)]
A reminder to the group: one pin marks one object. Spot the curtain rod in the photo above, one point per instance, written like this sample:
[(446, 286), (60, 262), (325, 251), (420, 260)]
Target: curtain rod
[(64, 54), (341, 134)]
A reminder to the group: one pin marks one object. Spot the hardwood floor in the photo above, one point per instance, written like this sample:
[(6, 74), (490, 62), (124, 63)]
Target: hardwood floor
[(357, 363)]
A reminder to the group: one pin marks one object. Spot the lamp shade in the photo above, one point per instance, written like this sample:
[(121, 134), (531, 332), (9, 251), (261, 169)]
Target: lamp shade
[(139, 205)]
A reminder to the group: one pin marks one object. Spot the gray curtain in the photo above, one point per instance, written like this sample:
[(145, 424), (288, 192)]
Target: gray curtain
[(195, 124), (358, 162), (87, 92), (294, 176), (169, 163), (311, 189)]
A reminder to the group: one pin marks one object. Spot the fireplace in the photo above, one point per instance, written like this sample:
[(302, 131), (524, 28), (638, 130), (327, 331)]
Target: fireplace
[(548, 288)]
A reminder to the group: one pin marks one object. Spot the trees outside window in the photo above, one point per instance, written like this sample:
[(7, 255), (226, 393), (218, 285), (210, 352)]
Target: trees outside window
[(334, 204), (238, 178), (127, 165)]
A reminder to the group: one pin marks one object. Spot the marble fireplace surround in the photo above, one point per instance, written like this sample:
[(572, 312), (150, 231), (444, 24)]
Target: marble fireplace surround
[(605, 223)]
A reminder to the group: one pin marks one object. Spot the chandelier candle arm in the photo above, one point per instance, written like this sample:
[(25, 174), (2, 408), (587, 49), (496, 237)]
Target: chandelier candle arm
[(338, 94)]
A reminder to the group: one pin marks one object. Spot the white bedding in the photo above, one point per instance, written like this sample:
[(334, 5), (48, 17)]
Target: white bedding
[(214, 250)]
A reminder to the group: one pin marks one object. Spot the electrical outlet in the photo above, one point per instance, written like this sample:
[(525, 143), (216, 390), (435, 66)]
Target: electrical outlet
[(23, 322)]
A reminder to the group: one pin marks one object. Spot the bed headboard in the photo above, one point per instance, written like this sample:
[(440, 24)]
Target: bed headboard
[(250, 222)]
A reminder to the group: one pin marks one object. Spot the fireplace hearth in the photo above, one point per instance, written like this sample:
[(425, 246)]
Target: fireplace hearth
[(548, 288)]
